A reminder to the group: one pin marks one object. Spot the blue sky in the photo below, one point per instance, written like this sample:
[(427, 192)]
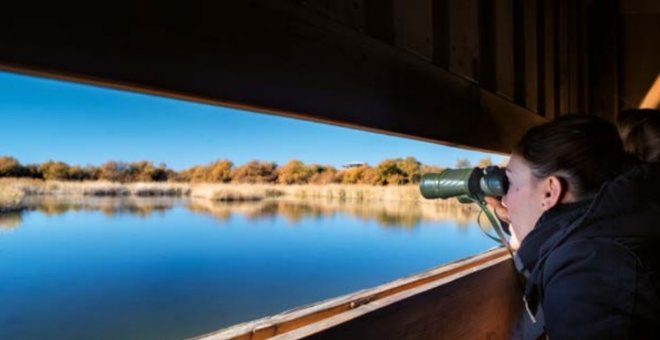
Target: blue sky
[(46, 119)]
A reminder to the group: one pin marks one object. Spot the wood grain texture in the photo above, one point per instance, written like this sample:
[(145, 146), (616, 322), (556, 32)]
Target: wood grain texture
[(413, 27), (464, 38), (326, 316), (276, 57), (504, 53), (478, 305)]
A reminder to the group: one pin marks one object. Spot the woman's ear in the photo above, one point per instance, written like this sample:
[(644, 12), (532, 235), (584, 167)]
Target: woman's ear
[(553, 192)]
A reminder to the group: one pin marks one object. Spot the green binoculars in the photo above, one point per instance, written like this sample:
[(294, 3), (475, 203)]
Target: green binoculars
[(472, 183)]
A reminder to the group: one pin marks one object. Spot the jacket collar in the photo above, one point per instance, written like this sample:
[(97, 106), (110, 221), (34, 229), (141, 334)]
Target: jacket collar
[(551, 226)]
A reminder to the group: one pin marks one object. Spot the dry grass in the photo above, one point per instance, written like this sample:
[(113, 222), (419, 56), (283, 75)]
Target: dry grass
[(95, 188), (223, 192), (256, 192), (10, 198), (236, 192)]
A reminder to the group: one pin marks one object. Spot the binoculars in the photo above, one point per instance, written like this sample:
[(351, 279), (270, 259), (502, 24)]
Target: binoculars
[(466, 184)]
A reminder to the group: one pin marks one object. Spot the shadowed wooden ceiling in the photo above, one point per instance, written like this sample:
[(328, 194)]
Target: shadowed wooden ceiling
[(474, 73)]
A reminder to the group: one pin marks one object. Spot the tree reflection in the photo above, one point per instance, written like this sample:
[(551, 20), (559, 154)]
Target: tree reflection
[(10, 220), (389, 214)]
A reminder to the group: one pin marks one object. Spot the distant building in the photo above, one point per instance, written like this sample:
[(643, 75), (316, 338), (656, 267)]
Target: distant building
[(354, 165)]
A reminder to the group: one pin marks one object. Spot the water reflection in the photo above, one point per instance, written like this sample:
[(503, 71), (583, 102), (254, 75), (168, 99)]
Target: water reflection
[(10, 220), (109, 206), (390, 214), (206, 264)]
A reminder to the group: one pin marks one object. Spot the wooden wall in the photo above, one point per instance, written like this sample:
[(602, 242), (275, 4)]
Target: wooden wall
[(473, 73), (552, 57)]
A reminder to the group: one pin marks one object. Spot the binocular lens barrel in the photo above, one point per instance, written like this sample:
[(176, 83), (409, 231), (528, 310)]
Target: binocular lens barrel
[(446, 184), (476, 182)]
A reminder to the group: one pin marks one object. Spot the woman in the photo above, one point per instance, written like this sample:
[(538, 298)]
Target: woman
[(588, 222)]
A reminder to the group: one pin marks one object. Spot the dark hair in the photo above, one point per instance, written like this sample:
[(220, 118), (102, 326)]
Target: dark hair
[(584, 151), (640, 132)]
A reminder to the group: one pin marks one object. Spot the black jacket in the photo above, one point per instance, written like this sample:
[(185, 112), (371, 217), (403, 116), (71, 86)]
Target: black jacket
[(593, 267)]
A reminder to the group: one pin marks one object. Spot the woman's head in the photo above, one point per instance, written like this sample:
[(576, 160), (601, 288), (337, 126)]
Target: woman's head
[(640, 132), (558, 162)]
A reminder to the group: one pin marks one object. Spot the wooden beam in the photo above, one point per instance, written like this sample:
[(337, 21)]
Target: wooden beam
[(652, 98), (547, 73), (457, 308), (464, 38), (438, 303), (563, 55), (347, 12), (603, 58), (530, 53), (639, 63), (413, 27), (506, 76), (572, 13), (277, 57), (441, 38), (485, 55), (379, 20)]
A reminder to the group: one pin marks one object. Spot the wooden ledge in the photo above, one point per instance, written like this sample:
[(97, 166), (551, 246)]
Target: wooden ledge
[(309, 320)]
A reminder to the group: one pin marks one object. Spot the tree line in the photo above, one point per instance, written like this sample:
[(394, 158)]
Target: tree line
[(395, 171)]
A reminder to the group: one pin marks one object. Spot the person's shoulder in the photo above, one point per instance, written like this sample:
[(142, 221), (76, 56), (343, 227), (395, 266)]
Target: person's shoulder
[(602, 255), (589, 290)]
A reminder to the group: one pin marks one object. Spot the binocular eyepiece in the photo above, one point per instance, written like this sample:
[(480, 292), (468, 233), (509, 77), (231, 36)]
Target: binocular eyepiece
[(474, 183)]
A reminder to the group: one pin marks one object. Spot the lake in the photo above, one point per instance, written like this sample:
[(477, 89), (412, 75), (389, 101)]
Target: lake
[(168, 268)]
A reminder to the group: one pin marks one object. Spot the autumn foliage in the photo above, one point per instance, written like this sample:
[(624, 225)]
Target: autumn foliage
[(396, 171)]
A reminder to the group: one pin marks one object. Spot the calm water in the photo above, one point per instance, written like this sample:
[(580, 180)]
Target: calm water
[(140, 268)]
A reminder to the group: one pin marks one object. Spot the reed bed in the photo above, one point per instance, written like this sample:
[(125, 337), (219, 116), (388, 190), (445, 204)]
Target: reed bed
[(222, 192), (11, 199), (236, 192), (96, 188)]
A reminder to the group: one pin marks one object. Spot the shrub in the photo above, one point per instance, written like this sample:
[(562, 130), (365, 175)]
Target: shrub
[(255, 172), (293, 172), (52, 170), (9, 167), (220, 171), (322, 174)]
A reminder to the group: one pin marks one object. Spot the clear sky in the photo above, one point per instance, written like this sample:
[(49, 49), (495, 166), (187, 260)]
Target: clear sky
[(44, 119)]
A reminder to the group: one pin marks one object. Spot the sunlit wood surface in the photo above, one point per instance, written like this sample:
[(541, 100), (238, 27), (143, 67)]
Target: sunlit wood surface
[(473, 298)]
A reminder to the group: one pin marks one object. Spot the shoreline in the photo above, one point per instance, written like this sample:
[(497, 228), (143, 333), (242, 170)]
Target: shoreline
[(12, 191)]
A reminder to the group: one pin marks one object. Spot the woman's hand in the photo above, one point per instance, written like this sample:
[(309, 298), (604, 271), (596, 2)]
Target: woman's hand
[(502, 213), (500, 210)]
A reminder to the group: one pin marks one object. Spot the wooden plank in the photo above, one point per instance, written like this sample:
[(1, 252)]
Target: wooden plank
[(530, 59), (464, 38), (652, 98), (563, 55), (379, 20), (573, 56), (549, 70), (299, 322), (504, 52), (441, 37), (456, 308), (413, 27), (583, 58), (347, 12), (274, 57), (640, 57), (603, 58), (639, 6), (485, 64)]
